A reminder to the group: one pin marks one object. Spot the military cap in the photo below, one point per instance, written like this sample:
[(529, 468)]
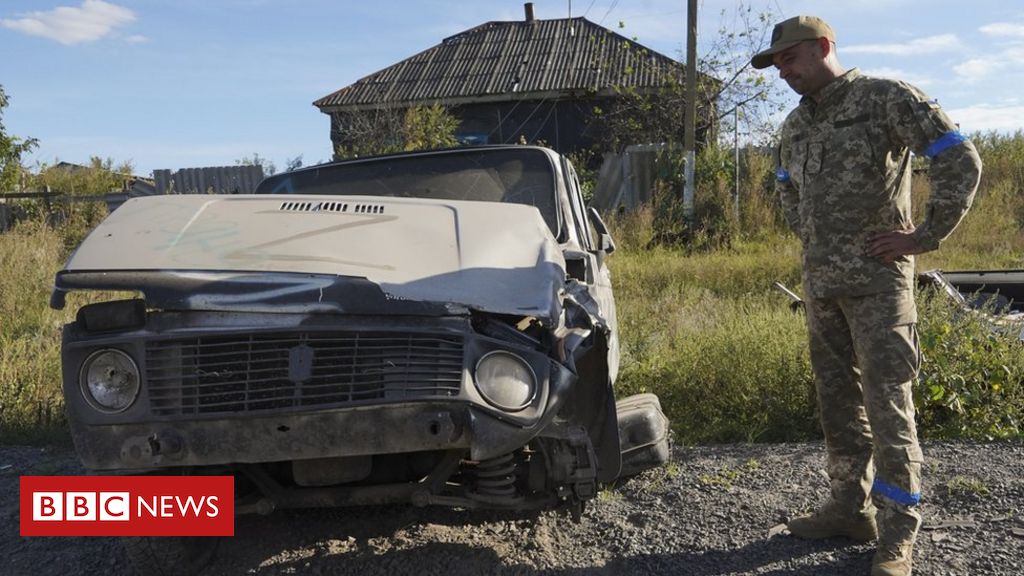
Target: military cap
[(790, 33)]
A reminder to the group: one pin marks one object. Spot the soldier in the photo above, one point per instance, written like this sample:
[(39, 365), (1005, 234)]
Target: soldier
[(844, 181)]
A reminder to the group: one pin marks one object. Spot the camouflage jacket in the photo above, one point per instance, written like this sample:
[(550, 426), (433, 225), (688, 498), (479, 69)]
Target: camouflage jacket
[(844, 175)]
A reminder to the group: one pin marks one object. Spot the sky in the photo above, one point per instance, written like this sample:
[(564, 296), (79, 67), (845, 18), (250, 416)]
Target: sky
[(191, 83)]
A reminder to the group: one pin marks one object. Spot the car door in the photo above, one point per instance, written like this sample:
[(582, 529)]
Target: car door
[(596, 245)]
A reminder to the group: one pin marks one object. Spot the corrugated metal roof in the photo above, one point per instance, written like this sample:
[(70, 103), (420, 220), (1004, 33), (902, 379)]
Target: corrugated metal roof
[(505, 60)]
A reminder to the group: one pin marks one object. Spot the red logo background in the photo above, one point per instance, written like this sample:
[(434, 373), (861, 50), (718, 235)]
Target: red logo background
[(203, 516)]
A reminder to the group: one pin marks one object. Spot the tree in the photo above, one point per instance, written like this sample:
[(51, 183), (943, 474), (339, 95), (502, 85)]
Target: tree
[(428, 127), (100, 176), (726, 82), (257, 160), (11, 149), (368, 133), (387, 130), (742, 34), (293, 163)]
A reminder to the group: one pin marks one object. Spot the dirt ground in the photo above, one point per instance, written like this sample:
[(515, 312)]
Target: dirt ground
[(715, 510)]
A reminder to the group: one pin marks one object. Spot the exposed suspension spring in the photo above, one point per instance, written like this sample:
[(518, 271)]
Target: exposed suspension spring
[(497, 476)]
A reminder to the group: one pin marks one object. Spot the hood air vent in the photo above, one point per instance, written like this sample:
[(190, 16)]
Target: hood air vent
[(331, 207)]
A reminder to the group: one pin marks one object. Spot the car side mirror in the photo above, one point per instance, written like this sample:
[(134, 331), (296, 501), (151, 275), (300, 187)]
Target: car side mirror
[(604, 238)]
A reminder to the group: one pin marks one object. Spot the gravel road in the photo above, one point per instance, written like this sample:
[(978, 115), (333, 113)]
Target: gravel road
[(715, 510)]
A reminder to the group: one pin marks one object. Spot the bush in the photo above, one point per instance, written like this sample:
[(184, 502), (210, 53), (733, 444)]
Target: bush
[(702, 328), (972, 379), (716, 222)]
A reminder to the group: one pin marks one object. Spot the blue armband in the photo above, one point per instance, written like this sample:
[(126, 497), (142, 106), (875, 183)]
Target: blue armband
[(947, 140), (782, 175), (896, 494)]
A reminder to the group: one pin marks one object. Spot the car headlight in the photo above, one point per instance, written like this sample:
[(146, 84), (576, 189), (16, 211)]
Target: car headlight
[(110, 380), (506, 380)]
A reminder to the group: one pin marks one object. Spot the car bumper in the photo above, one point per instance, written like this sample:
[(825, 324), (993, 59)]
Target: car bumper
[(335, 433)]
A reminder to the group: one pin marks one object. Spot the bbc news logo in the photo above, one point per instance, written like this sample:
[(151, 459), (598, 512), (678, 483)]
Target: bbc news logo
[(127, 506)]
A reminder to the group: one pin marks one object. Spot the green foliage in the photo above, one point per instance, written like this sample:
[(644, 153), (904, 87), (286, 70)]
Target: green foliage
[(967, 485), (31, 401), (386, 131), (641, 117), (701, 328), (586, 162), (704, 330), (972, 382), (428, 127), (100, 176), (752, 93), (1004, 158), (75, 219), (257, 160), (716, 223), (11, 149), (992, 234), (726, 81)]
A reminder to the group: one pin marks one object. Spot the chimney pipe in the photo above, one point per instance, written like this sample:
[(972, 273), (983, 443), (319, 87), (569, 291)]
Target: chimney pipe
[(529, 11)]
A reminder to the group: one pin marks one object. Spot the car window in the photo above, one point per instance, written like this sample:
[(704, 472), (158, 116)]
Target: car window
[(579, 212), (518, 176)]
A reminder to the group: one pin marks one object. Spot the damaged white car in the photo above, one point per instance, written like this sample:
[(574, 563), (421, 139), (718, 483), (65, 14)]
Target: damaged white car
[(435, 328)]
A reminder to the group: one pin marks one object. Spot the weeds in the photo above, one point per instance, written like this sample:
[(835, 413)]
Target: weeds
[(699, 322), (659, 478), (972, 381), (966, 485), (726, 477), (701, 327)]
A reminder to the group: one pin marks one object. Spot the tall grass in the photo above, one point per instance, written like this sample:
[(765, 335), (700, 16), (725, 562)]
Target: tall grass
[(700, 323), (726, 356), (30, 379), (704, 329), (31, 402)]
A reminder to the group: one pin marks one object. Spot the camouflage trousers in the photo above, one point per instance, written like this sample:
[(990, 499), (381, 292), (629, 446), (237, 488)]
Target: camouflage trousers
[(865, 356)]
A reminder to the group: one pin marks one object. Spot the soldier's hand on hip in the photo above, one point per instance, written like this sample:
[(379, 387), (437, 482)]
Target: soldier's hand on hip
[(888, 246)]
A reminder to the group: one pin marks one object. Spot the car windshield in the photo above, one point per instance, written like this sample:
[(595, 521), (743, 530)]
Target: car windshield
[(517, 176)]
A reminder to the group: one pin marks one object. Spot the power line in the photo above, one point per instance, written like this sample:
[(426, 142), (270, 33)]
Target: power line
[(522, 125), (610, 8), (544, 122), (588, 8)]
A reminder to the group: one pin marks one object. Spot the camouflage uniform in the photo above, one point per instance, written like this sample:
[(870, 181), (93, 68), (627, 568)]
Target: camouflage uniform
[(844, 176)]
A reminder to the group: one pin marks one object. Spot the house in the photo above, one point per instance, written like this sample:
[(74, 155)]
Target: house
[(506, 82)]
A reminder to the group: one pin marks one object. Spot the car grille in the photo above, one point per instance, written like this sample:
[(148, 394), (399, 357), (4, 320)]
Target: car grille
[(253, 372)]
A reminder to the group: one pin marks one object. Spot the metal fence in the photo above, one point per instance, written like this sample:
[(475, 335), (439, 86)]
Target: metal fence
[(215, 180)]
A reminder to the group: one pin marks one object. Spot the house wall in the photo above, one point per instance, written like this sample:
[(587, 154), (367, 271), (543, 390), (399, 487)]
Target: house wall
[(565, 125), (561, 125)]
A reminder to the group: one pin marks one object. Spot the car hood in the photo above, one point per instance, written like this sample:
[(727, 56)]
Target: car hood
[(264, 252)]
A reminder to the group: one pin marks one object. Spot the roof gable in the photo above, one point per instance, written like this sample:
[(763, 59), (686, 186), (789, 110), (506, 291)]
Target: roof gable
[(507, 60)]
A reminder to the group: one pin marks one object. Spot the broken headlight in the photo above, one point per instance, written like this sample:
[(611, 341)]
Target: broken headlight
[(506, 380), (109, 380)]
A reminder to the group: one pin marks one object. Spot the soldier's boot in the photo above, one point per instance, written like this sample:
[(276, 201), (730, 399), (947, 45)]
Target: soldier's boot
[(898, 525), (831, 521), (893, 560)]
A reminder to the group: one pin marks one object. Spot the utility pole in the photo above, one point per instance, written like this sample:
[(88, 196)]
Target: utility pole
[(736, 158), (690, 114)]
